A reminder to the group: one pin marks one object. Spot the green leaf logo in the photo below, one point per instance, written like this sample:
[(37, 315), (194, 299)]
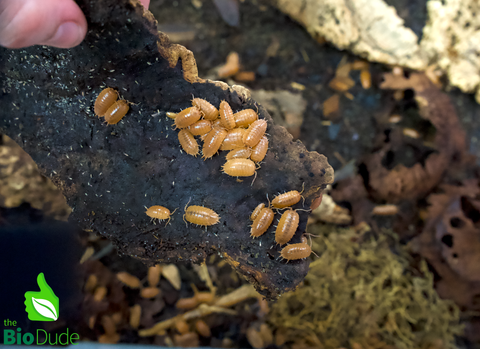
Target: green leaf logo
[(43, 305)]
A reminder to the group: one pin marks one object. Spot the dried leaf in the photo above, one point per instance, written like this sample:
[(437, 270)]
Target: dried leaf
[(171, 273)]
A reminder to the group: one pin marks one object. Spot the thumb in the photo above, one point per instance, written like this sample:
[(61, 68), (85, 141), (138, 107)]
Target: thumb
[(42, 284), (58, 23)]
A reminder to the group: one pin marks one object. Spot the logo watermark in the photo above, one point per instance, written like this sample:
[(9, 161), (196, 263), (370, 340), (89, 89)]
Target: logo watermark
[(40, 306)]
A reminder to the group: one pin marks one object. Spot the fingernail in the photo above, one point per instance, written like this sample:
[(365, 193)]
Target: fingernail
[(68, 35)]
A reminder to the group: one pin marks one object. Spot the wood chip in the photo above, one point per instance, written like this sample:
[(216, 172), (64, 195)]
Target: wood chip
[(331, 106), (154, 275), (341, 83), (171, 273), (100, 293), (149, 292), (135, 315), (87, 254), (128, 279), (202, 328)]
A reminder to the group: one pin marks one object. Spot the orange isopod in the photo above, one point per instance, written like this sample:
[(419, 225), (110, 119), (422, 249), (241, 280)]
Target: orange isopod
[(201, 127), (287, 227), (256, 211), (226, 115), (116, 112), (201, 215), (239, 153), (105, 100), (296, 251), (171, 115), (213, 141), (187, 117), (287, 199), (245, 117), (208, 110), (234, 139), (239, 168), (255, 132), (159, 212), (188, 142), (260, 150), (262, 222), (217, 123)]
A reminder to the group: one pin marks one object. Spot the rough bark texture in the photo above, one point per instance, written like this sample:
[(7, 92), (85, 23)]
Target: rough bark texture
[(109, 174)]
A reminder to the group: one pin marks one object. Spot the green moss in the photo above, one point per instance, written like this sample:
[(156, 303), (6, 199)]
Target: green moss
[(364, 293)]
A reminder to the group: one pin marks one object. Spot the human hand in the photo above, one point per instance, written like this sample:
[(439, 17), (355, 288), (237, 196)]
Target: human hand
[(58, 23)]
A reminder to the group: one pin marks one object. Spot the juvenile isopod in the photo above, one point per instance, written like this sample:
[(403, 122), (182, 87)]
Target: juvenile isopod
[(239, 168), (256, 211), (239, 153), (287, 199), (245, 117), (262, 222), (188, 142), (234, 139), (226, 115), (171, 115), (105, 100), (159, 212), (213, 141), (201, 215), (116, 112), (187, 117), (201, 127), (260, 150), (287, 227), (255, 132), (296, 251), (208, 110)]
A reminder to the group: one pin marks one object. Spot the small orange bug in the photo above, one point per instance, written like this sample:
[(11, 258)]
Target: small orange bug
[(256, 211), (201, 127), (188, 142), (226, 115), (239, 153), (245, 117), (105, 100), (262, 222), (213, 141), (260, 150), (116, 112), (234, 139), (187, 117), (287, 227), (239, 168), (208, 110), (231, 66), (255, 132), (159, 212), (296, 251), (287, 199), (171, 115), (217, 123), (200, 215)]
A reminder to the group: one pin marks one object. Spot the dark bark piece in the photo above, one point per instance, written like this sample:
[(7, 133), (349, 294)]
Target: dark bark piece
[(109, 174)]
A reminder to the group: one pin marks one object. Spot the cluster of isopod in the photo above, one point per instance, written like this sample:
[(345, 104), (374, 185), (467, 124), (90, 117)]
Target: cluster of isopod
[(241, 133), (194, 214), (106, 105), (263, 216)]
